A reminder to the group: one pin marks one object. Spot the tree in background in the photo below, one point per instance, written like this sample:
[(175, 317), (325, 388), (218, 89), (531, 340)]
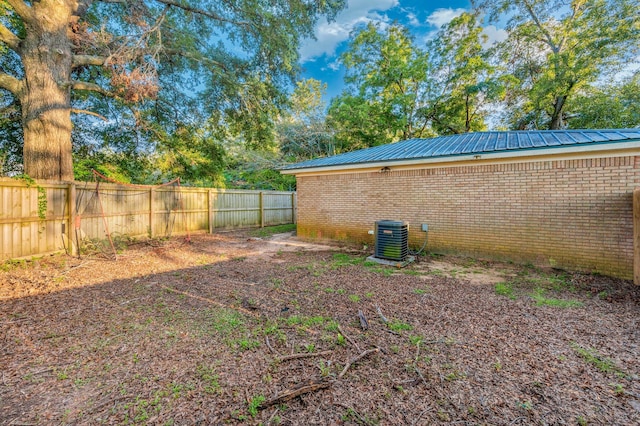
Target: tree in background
[(302, 130), (387, 77), (556, 48), (615, 106), (400, 91), (237, 54), (464, 82)]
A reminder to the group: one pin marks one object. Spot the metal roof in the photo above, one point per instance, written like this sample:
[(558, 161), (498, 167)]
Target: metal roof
[(472, 144)]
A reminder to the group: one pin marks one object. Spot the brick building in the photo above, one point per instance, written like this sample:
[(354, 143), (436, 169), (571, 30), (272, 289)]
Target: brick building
[(561, 198)]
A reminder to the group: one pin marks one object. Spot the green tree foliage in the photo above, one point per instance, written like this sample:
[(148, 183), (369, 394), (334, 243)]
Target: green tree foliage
[(399, 91), (615, 106), (386, 77), (556, 48), (465, 83), (302, 130), (231, 60)]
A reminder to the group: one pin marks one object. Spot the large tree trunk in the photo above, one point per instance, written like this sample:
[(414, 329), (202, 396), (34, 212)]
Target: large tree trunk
[(45, 98), (557, 123)]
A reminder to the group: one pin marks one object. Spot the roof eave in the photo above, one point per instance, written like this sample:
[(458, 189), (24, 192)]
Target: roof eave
[(496, 155)]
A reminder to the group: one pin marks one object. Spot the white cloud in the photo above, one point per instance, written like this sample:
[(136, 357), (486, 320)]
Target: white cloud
[(330, 35), (441, 17), (412, 18), (494, 35)]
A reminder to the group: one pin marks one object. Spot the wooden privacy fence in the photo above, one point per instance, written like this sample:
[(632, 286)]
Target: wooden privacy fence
[(46, 217)]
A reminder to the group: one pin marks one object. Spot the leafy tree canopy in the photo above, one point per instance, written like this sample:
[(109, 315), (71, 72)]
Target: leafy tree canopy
[(556, 48), (229, 59)]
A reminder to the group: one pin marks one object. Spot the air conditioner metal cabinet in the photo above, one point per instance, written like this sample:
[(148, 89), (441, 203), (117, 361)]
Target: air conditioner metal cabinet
[(392, 240)]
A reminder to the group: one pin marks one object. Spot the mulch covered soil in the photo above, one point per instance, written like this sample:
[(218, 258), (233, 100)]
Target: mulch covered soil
[(230, 329)]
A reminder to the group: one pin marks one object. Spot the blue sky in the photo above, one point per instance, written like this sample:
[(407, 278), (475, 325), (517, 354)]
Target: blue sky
[(320, 57)]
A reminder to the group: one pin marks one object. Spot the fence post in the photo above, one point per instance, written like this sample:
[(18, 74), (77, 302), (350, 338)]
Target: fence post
[(151, 212), (636, 236), (261, 209), (293, 208), (71, 229), (210, 210)]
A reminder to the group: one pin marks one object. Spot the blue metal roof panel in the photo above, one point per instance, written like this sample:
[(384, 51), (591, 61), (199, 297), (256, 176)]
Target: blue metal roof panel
[(470, 144)]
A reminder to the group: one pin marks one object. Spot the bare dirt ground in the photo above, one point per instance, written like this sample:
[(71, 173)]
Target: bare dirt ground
[(222, 329)]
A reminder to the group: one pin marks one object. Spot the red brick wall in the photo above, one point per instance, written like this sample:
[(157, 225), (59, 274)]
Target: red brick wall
[(575, 214)]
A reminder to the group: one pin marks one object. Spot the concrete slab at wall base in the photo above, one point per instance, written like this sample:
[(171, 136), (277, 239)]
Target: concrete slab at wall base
[(394, 263)]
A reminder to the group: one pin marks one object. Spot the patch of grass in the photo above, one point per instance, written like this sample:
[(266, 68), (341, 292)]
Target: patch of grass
[(226, 321), (313, 321), (398, 326), (505, 289), (342, 259), (416, 340), (602, 363), (354, 298), (294, 320), (254, 403), (210, 379), (332, 325), (246, 343), (13, 264), (539, 297), (618, 389), (420, 291), (271, 230)]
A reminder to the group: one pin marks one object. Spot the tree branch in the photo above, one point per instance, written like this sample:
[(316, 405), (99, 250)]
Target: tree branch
[(9, 38), (536, 20), (22, 9), (81, 60), (10, 83), (92, 87), (84, 111), (202, 12)]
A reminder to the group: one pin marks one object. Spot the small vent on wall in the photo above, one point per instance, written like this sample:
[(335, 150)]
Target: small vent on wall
[(392, 240)]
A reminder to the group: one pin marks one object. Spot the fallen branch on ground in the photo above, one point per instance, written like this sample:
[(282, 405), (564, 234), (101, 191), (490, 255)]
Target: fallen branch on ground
[(305, 355), (266, 338), (313, 384), (349, 338), (301, 389), (356, 359)]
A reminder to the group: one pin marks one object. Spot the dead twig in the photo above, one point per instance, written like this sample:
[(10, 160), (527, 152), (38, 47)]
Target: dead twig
[(415, 422), (348, 338), (382, 317), (273, 415), (356, 359), (420, 374), (273, 351), (305, 355), (363, 320), (353, 411), (393, 332), (287, 395)]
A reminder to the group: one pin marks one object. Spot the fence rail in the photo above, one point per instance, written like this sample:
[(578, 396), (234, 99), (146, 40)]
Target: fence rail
[(46, 217)]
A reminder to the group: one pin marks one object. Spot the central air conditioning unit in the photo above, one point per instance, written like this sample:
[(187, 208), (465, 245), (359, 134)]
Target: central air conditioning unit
[(392, 240)]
